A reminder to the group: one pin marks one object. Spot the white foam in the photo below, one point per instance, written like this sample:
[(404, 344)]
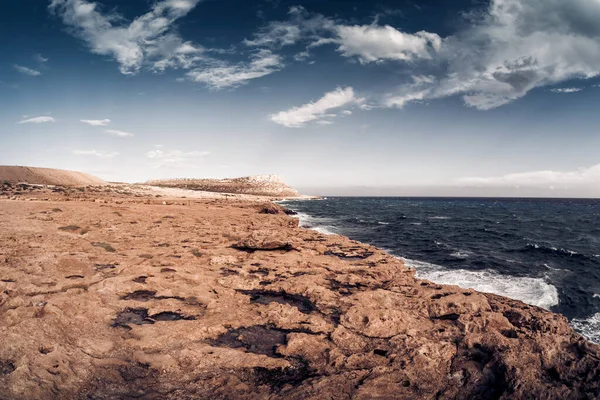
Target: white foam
[(588, 327), (316, 224), (461, 254), (534, 291)]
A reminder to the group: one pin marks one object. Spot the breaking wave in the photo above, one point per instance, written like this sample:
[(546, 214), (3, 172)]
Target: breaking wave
[(588, 327), (533, 291)]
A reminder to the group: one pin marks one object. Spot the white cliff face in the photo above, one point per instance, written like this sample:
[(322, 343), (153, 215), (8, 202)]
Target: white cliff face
[(266, 185)]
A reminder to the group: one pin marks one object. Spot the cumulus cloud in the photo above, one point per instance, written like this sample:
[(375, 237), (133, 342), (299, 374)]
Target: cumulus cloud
[(148, 38), (95, 122), (542, 179), (566, 90), (37, 120), (372, 43), (174, 158), (119, 133), (95, 153), (223, 75), (317, 111), (27, 71)]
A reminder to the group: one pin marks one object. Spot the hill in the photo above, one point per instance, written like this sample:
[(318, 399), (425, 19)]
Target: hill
[(47, 176), (262, 185)]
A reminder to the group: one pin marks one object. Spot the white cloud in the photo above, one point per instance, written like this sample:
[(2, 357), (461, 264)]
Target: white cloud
[(174, 158), (346, 112), (367, 43), (119, 133), (40, 59), (151, 41), (566, 90), (223, 75), (37, 120), (148, 38), (96, 122), (540, 179), (27, 71), (316, 111), (514, 46), (372, 43), (400, 100), (95, 153)]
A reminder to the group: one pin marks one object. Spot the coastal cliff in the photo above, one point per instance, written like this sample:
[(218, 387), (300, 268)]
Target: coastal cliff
[(105, 294)]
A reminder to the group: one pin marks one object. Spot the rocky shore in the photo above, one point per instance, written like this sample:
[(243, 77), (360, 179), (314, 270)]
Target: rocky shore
[(112, 293)]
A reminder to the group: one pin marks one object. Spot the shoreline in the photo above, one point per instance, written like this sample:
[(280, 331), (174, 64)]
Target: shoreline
[(485, 281), (219, 298)]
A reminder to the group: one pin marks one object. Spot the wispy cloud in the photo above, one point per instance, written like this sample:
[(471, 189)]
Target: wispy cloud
[(224, 75), (501, 52), (119, 133), (148, 38), (37, 120), (151, 41), (95, 153), (567, 90), (27, 71), (318, 111), (548, 178), (367, 43), (512, 47), (40, 59), (96, 122), (174, 158)]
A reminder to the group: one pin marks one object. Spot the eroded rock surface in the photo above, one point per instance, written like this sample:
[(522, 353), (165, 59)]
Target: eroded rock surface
[(222, 300)]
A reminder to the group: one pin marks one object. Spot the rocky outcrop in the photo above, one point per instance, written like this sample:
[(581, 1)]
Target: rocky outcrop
[(262, 185), (46, 176), (219, 299)]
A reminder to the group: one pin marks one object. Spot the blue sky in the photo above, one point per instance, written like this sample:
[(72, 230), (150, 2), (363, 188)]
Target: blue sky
[(465, 97)]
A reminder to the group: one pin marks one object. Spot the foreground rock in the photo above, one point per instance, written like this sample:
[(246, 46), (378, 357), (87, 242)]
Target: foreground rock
[(224, 300)]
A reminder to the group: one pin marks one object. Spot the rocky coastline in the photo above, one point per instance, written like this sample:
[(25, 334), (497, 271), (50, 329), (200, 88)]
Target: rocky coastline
[(115, 293)]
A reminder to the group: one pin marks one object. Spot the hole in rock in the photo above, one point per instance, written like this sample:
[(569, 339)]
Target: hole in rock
[(380, 352), (6, 367), (279, 377), (172, 316), (135, 316), (258, 339), (302, 303)]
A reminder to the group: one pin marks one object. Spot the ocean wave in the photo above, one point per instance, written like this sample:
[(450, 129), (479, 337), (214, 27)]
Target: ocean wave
[(321, 225), (549, 249), (439, 217), (461, 254), (534, 291), (588, 327)]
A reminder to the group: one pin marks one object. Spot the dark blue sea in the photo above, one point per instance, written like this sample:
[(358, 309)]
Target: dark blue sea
[(545, 252)]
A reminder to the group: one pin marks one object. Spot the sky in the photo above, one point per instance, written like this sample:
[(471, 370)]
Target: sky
[(462, 97)]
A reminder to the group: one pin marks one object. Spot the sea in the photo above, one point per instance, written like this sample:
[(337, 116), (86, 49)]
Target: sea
[(544, 252)]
